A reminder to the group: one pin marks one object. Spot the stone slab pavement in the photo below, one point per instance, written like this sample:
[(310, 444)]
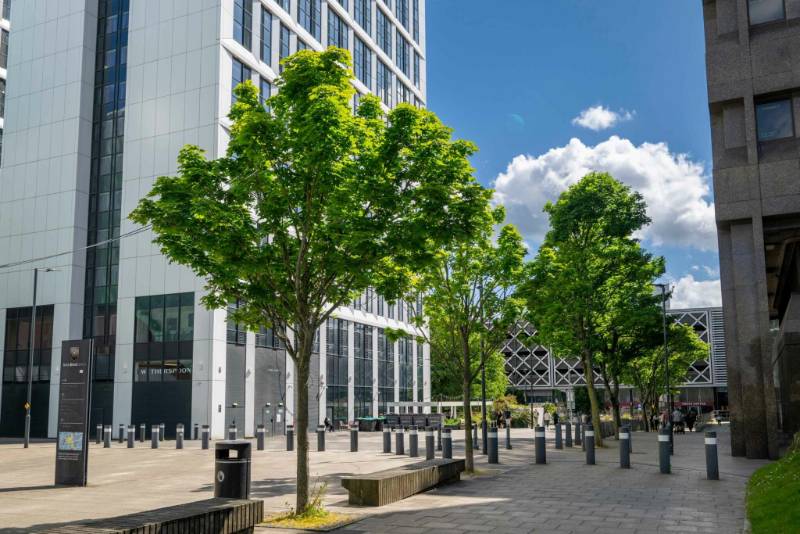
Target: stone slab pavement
[(564, 496)]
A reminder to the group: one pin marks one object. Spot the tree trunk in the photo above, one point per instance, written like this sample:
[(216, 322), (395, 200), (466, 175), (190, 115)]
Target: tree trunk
[(469, 461), (588, 373), (301, 430), (613, 392), (646, 417)]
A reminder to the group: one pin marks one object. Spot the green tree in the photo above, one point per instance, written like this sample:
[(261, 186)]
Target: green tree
[(311, 205), (469, 304), (577, 268), (443, 385)]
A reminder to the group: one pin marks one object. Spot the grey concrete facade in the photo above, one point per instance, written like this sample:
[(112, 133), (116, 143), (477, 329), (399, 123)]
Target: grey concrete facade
[(753, 60)]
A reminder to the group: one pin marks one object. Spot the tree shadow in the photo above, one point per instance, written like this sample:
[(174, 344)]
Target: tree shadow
[(27, 488)]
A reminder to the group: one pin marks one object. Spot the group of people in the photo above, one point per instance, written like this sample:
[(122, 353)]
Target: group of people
[(680, 421)]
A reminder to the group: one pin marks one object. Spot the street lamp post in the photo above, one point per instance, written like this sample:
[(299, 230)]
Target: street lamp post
[(666, 346), (29, 397)]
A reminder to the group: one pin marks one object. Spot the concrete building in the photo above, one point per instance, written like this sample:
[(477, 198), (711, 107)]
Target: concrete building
[(534, 370), (102, 96), (752, 51), (5, 28)]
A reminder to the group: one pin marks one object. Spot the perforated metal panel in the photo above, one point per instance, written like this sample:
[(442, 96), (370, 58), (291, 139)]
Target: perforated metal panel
[(527, 364), (700, 372), (719, 360)]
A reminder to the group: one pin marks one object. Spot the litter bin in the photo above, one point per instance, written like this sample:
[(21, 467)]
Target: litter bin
[(232, 469)]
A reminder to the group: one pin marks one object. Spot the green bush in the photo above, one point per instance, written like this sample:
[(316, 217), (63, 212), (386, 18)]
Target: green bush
[(773, 494)]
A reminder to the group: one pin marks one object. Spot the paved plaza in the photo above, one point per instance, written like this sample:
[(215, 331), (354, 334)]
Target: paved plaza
[(564, 496)]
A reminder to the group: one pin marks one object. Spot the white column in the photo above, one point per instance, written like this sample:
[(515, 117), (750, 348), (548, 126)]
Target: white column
[(209, 369), (397, 374), (426, 374), (351, 368), (321, 393), (67, 324), (375, 390), (123, 362), (250, 384)]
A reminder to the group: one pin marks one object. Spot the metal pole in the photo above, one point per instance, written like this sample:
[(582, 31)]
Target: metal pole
[(30, 362), (483, 381), (666, 346)]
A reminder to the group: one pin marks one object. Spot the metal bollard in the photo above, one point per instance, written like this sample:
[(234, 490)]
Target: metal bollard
[(161, 432), (491, 444), (430, 452), (663, 450), (154, 439), (447, 444), (387, 440), (568, 433), (625, 447), (320, 438), (712, 463), (559, 441), (508, 434), (475, 443), (206, 433), (290, 438), (439, 437), (399, 442), (195, 432), (179, 436), (142, 430), (588, 441), (413, 442), (107, 437), (539, 445), (131, 435), (260, 431), (671, 439), (121, 437), (98, 434), (232, 432), (354, 438), (578, 440), (484, 434)]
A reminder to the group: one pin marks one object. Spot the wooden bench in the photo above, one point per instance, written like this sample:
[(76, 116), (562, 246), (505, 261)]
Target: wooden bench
[(384, 487), (212, 516)]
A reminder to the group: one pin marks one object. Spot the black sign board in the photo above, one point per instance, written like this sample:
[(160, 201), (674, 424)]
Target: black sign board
[(74, 400)]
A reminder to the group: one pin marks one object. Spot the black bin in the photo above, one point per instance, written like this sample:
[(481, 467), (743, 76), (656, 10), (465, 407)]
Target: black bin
[(232, 469)]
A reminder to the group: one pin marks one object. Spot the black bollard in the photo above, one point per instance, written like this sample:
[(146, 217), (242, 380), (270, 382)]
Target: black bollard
[(588, 441), (154, 437), (107, 437), (447, 444), (625, 447), (484, 433), (196, 432), (387, 440), (568, 433), (475, 442), (712, 463), (260, 431), (232, 432), (399, 442), (578, 440), (539, 445), (671, 439), (206, 434), (121, 437), (320, 438), (559, 441), (179, 436), (508, 434), (161, 432), (98, 434), (663, 450), (492, 445), (413, 442), (131, 435), (439, 436), (430, 446), (142, 430), (290, 438), (354, 438)]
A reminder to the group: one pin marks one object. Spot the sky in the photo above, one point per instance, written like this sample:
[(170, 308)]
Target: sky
[(550, 90)]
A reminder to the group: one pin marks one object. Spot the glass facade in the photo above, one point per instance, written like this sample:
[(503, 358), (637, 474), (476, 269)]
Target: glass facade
[(420, 374), (163, 334), (385, 372), (284, 45), (240, 73), (243, 22), (337, 31), (406, 362), (401, 11), (384, 83), (402, 59), (309, 15), (236, 332), (7, 9), (384, 33), (415, 19), (336, 378), (416, 70), (363, 14), (265, 91), (16, 353), (362, 353), (266, 36), (4, 49)]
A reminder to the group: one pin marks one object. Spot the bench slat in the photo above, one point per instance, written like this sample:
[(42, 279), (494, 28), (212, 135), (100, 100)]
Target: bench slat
[(391, 485)]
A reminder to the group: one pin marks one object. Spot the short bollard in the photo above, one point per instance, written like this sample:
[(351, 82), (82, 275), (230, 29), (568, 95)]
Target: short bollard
[(320, 438), (625, 447), (260, 431), (196, 432), (121, 437), (161, 432), (290, 438), (559, 441), (439, 437), (430, 452), (663, 450), (508, 434), (578, 440), (354, 438), (99, 434), (107, 437), (671, 439), (491, 444), (387, 440), (399, 442), (232, 432), (413, 442), (712, 463), (588, 441), (568, 433), (142, 431), (179, 436), (475, 442), (131, 435), (539, 445), (154, 439), (447, 444), (206, 435)]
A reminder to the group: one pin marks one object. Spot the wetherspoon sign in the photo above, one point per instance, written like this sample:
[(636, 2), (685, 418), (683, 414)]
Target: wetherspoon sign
[(74, 400)]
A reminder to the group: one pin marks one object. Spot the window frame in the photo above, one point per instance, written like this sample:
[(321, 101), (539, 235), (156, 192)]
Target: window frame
[(752, 24), (773, 100), (243, 9)]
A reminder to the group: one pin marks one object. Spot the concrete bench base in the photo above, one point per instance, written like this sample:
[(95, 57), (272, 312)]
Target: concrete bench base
[(212, 516), (391, 485)]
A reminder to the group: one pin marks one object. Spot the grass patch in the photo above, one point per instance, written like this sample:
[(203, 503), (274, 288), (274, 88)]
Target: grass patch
[(773, 495), (320, 520)]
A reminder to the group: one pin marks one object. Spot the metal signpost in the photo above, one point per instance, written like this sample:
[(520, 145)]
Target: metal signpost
[(72, 451)]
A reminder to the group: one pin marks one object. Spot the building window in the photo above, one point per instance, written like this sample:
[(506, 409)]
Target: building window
[(362, 58), (237, 332), (163, 334), (390, 310), (337, 31), (265, 92), (266, 36), (362, 382), (7, 9), (241, 73), (309, 16), (415, 22), (345, 4), (420, 374), (379, 304), (384, 83), (402, 59), (385, 372), (267, 338), (284, 4), (285, 43), (403, 92), (384, 33), (17, 345), (405, 357), (4, 49), (416, 70), (762, 11), (774, 120), (336, 376), (2, 99), (401, 11), (363, 15), (243, 22)]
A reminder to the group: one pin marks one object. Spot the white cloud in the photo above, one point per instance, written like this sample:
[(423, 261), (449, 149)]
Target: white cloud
[(600, 118), (675, 188), (690, 293)]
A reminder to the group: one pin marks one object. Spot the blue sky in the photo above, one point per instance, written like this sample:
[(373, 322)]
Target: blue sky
[(515, 78)]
